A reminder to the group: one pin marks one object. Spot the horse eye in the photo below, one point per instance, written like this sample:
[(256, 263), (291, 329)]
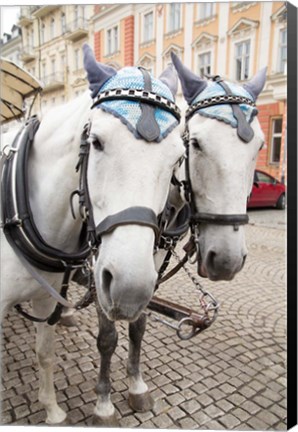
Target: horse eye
[(97, 144), (196, 144)]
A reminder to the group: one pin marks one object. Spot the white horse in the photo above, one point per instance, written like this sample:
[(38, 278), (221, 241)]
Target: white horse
[(223, 137), (128, 172)]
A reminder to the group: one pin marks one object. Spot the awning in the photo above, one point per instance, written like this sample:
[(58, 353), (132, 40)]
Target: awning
[(16, 85)]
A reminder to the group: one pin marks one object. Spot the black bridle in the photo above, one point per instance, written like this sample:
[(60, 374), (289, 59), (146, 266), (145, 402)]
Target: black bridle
[(245, 133), (148, 128)]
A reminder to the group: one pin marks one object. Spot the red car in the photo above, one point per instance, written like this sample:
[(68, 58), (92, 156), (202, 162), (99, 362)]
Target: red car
[(267, 192)]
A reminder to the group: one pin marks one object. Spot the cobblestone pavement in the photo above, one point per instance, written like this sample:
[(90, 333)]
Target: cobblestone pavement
[(232, 376)]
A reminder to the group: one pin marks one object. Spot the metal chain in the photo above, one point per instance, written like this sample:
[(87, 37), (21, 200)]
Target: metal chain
[(208, 306)]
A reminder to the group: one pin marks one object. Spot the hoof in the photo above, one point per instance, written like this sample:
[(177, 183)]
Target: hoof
[(59, 417), (141, 402), (110, 421), (68, 321)]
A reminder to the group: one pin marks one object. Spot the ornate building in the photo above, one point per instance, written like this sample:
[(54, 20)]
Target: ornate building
[(52, 39), (233, 39)]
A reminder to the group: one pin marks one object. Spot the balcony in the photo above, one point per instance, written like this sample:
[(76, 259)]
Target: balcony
[(41, 11), (25, 16), (27, 54), (77, 29), (54, 81)]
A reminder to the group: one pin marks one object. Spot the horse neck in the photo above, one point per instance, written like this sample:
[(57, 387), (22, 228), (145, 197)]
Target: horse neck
[(52, 175)]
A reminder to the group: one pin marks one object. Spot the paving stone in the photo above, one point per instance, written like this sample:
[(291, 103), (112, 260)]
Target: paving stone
[(231, 376), (162, 421), (188, 423)]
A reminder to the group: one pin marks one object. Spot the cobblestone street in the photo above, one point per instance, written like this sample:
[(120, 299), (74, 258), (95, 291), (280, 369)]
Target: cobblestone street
[(232, 376)]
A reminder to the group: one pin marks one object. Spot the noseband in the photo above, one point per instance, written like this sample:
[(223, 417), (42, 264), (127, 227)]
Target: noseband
[(244, 131)]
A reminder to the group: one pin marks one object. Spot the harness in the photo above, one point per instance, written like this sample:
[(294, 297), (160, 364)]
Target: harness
[(18, 222), (245, 133)]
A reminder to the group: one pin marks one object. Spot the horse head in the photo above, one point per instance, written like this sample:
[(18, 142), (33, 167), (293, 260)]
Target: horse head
[(223, 140), (134, 145)]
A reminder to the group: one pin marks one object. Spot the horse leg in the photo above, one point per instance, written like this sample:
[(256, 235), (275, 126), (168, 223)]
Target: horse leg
[(104, 412), (45, 351), (139, 397)]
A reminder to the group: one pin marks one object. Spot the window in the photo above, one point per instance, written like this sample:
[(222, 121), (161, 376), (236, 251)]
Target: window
[(276, 140), (204, 64), (206, 10), (263, 178), (282, 61), (76, 13), (77, 59), (42, 33), (148, 26), (43, 70), (62, 62), (52, 31), (242, 51), (63, 23), (53, 66), (112, 40), (174, 17)]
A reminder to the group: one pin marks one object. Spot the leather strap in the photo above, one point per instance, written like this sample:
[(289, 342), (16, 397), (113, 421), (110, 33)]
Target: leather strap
[(221, 219), (143, 216), (244, 129), (147, 125)]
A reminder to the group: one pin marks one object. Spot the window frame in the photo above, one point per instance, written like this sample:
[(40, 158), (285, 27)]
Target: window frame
[(272, 136), (281, 69), (202, 11), (114, 46), (203, 54), (243, 57), (169, 22), (144, 15)]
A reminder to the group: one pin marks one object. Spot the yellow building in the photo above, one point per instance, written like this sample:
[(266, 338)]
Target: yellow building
[(233, 39), (52, 39)]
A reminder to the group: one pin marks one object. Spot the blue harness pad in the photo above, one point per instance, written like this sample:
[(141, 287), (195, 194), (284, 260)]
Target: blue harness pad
[(129, 111), (224, 112)]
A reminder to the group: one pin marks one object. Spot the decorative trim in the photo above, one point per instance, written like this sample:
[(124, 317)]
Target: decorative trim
[(244, 22), (280, 15), (211, 39), (205, 21), (241, 6)]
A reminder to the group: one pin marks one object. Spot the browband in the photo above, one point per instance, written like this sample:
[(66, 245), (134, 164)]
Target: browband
[(218, 100), (141, 96)]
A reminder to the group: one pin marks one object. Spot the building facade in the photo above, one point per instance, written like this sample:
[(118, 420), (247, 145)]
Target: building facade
[(233, 39), (52, 39)]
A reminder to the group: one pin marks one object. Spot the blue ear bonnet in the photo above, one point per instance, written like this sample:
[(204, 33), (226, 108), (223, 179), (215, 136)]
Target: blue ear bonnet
[(129, 111), (224, 112)]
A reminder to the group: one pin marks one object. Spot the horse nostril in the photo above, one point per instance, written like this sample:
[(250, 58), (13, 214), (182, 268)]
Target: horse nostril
[(107, 278), (210, 259)]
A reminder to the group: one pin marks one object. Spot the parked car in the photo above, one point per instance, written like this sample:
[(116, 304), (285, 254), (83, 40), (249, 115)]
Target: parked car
[(267, 192)]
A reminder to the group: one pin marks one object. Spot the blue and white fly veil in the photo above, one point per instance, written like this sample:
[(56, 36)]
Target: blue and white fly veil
[(224, 112), (128, 111)]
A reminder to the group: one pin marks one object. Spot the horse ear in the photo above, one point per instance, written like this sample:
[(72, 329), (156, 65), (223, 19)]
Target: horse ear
[(97, 73), (256, 84), (191, 84), (170, 78)]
